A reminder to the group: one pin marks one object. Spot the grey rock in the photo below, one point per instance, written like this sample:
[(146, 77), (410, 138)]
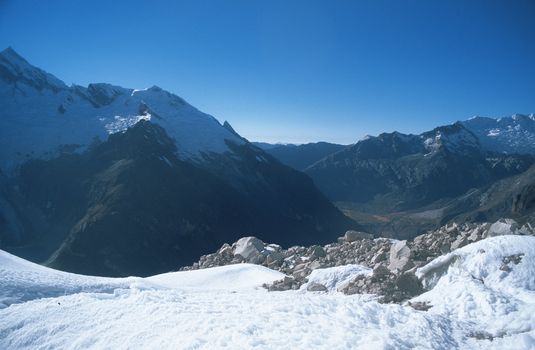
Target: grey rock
[(316, 251), (378, 257), (409, 284), (420, 305), (393, 264), (502, 227), (381, 271), (511, 259), (248, 247), (461, 241), (316, 264), (352, 235), (274, 257), (300, 274), (316, 287), (515, 259), (400, 254)]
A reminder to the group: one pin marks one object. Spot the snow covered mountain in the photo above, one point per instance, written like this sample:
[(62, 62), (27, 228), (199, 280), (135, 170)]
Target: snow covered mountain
[(515, 134), (113, 181), (480, 296), (42, 117)]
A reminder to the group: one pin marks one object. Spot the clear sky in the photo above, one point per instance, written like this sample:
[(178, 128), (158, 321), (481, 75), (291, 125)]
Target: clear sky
[(295, 71)]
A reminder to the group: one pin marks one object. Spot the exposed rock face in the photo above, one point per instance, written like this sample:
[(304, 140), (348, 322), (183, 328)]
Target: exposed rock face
[(393, 262)]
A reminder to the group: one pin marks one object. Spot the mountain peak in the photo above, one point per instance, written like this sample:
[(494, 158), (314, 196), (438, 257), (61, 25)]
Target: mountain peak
[(514, 134), (229, 127), (10, 54), (15, 69), (103, 94)]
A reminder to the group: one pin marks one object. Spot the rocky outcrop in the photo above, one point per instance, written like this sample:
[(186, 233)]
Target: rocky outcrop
[(394, 263)]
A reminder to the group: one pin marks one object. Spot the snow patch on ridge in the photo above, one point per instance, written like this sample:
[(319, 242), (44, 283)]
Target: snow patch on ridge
[(121, 124), (515, 134)]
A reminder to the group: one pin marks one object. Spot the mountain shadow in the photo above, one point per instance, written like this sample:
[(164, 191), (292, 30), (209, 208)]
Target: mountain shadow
[(130, 206)]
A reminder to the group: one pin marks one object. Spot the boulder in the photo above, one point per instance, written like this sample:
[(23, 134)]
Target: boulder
[(380, 272), (316, 252), (274, 257), (409, 284), (316, 287), (400, 255), (502, 227), (316, 264), (351, 235), (249, 248), (378, 257), (287, 283), (301, 272), (461, 241)]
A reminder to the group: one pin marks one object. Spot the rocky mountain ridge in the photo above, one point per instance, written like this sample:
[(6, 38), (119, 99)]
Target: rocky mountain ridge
[(399, 172)]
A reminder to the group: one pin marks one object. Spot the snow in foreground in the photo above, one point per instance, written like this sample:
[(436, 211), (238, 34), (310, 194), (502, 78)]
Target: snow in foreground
[(474, 300)]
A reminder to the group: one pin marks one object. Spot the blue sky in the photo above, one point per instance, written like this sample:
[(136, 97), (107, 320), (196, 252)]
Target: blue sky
[(295, 71)]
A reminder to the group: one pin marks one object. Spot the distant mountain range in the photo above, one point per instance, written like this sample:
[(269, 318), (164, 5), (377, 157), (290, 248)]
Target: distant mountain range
[(508, 135), (113, 181), (302, 156), (401, 184), (405, 171)]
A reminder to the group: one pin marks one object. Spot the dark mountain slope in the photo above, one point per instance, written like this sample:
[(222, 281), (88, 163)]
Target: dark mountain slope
[(512, 197), (129, 206)]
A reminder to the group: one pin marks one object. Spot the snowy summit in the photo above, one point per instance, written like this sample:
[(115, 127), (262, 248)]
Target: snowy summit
[(41, 115)]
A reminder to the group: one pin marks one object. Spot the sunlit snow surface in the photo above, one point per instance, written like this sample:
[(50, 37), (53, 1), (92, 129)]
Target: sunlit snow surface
[(225, 308)]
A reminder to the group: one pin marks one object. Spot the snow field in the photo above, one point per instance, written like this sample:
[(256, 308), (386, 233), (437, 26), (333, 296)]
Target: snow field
[(225, 307)]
